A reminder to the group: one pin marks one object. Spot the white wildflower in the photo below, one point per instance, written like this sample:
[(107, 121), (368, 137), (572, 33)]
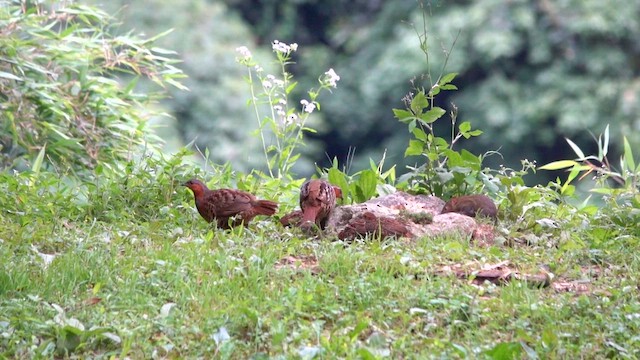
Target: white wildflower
[(280, 47), (258, 68), (284, 48), (267, 84), (332, 78), (271, 77), (308, 107), (290, 119), (279, 110), (278, 83), (244, 52)]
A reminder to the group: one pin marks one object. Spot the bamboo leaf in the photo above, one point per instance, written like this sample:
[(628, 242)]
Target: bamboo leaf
[(557, 165), (628, 155), (10, 76), (37, 164), (576, 149), (605, 146)]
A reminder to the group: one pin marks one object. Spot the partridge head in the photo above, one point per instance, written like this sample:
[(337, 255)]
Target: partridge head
[(317, 200)]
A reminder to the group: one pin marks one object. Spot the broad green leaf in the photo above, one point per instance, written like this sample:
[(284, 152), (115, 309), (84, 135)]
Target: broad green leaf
[(415, 148), (471, 159), (567, 190), (403, 115), (465, 127), (454, 158), (440, 143), (419, 103), (366, 185), (432, 115), (419, 134), (447, 78), (338, 178), (412, 125)]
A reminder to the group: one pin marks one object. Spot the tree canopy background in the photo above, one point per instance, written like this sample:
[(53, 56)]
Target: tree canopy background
[(531, 72)]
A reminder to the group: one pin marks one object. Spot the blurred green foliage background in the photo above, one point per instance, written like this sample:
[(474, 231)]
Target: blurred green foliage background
[(531, 72)]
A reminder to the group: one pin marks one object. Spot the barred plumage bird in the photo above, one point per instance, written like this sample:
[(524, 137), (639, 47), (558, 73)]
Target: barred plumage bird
[(222, 204), (317, 200), (472, 205)]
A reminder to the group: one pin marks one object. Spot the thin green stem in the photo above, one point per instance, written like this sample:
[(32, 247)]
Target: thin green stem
[(254, 100)]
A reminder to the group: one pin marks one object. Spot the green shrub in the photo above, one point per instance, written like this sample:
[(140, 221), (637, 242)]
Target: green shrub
[(69, 86), (619, 185)]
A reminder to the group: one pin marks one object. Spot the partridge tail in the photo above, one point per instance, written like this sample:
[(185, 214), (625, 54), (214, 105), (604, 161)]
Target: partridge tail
[(265, 207)]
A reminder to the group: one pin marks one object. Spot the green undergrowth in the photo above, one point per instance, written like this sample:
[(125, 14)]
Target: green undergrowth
[(123, 266), (110, 259)]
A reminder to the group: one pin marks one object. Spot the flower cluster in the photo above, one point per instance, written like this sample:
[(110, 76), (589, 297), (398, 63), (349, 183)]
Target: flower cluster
[(245, 55), (286, 123), (308, 106), (270, 81), (281, 108), (331, 78), (291, 119), (283, 48)]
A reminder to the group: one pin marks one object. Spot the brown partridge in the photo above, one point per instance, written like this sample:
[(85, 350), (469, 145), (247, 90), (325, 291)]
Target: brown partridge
[(472, 205), (317, 200), (369, 224), (222, 204)]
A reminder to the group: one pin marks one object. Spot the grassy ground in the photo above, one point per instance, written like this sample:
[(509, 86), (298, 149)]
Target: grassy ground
[(140, 275)]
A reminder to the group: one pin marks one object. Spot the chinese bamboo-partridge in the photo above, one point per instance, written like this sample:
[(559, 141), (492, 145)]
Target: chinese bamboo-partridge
[(317, 200), (222, 204), (368, 223), (472, 205)]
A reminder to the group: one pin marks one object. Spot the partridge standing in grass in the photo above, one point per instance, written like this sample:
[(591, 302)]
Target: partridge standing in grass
[(317, 200), (222, 204), (472, 205)]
